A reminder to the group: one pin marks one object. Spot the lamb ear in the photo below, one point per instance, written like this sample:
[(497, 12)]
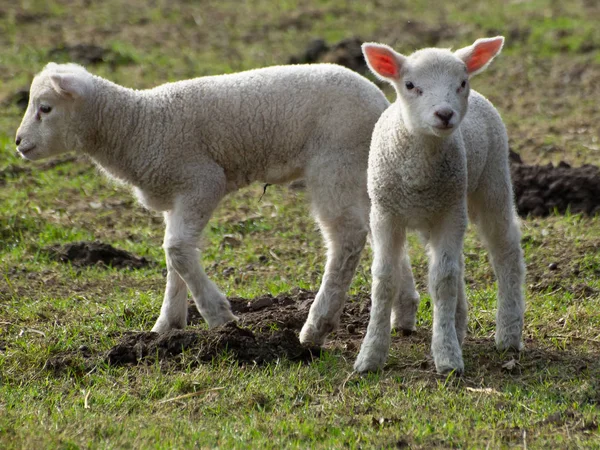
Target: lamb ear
[(70, 84), (383, 61), (478, 56)]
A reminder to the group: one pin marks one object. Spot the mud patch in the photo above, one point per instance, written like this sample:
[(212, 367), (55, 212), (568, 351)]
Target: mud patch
[(267, 331), (289, 311), (542, 190), (82, 254), (20, 98), (346, 53), (89, 54), (244, 345)]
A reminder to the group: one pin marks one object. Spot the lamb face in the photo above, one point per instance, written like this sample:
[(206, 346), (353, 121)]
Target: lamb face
[(434, 88), (432, 84), (53, 101)]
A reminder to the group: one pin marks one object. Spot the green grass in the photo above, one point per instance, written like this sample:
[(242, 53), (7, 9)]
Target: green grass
[(544, 84)]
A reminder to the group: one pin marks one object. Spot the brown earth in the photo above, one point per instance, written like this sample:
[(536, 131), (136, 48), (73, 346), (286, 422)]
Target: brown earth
[(267, 331), (96, 253), (542, 190)]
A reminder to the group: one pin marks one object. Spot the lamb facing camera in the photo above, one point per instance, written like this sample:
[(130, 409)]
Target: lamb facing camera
[(183, 146), (439, 154)]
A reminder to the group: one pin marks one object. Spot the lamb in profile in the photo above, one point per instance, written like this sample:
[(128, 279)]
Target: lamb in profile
[(439, 148), (183, 146)]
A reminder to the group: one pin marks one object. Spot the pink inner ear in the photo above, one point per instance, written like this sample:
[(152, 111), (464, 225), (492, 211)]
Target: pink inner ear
[(482, 54), (382, 62)]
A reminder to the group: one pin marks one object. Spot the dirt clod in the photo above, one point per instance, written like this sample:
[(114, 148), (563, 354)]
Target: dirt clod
[(96, 253), (20, 98), (541, 190), (244, 345), (267, 331), (346, 53), (89, 54)]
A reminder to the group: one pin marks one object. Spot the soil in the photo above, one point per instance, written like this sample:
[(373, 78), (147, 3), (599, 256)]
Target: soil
[(96, 253), (346, 53), (87, 54), (542, 190), (242, 344), (267, 331)]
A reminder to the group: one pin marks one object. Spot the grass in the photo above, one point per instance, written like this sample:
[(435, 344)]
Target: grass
[(544, 84)]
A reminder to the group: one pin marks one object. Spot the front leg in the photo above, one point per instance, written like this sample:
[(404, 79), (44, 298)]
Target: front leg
[(184, 258), (184, 223), (444, 285), (388, 245), (173, 312)]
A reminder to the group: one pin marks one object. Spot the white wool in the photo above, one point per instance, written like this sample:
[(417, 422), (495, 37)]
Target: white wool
[(438, 155), (183, 146)]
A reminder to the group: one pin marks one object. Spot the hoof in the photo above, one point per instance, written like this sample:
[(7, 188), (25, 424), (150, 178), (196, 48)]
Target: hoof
[(364, 364), (447, 370), (163, 326), (310, 336), (225, 318), (509, 341), (449, 361)]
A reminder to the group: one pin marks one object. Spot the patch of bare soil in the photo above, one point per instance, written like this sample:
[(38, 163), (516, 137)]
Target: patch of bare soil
[(267, 331), (14, 170), (96, 253), (89, 54), (541, 190), (244, 345), (346, 53)]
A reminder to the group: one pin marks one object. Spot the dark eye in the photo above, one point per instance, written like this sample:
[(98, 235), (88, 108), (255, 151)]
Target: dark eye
[(409, 85), (45, 109), (463, 84)]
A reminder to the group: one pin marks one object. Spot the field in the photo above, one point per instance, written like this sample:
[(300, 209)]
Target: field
[(76, 371)]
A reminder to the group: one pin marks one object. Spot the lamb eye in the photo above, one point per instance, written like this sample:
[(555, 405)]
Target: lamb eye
[(463, 84), (45, 109), (409, 85)]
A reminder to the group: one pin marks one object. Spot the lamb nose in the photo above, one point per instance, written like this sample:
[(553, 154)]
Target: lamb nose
[(18, 141), (445, 115)]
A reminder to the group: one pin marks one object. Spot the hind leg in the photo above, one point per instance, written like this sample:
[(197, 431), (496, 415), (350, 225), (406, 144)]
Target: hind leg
[(406, 303), (461, 319), (494, 214), (341, 209)]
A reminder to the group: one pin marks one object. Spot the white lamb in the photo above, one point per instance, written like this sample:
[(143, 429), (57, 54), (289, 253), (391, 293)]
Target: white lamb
[(183, 146), (430, 157)]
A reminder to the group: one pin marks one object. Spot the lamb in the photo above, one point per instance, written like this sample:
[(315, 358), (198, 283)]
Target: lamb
[(183, 146), (431, 156)]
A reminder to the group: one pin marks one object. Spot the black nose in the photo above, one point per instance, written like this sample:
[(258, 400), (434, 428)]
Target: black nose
[(445, 115), (18, 141)]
